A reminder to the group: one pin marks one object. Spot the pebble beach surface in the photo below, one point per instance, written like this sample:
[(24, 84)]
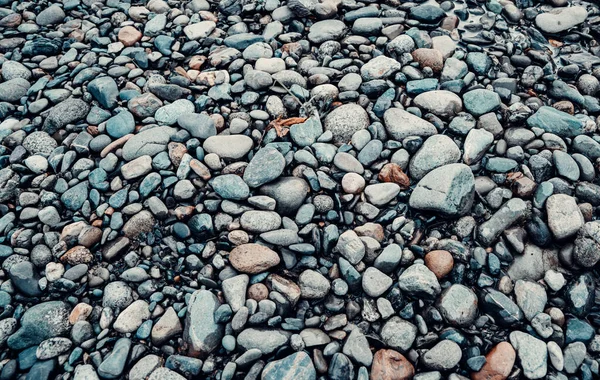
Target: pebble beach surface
[(299, 189)]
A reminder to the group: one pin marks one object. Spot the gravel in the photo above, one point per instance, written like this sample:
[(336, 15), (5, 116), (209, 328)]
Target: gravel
[(299, 189)]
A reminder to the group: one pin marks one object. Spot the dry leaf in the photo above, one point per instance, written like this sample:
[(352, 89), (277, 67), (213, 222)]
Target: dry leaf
[(282, 125), (393, 173)]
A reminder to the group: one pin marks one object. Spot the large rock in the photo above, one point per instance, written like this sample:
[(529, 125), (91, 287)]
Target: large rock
[(418, 281), (401, 124), (266, 165), (14, 89), (40, 322), (458, 305), (398, 334), (554, 121), (391, 365), (533, 263), (345, 120), (587, 245), (449, 190), (560, 19), (498, 363), (202, 332), (513, 210), (326, 30), (532, 353), (504, 310)]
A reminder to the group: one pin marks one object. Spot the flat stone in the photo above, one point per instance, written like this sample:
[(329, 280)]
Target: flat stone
[(448, 189), (202, 332), (401, 124), (253, 258), (532, 354), (442, 103), (297, 366), (229, 147), (561, 19)]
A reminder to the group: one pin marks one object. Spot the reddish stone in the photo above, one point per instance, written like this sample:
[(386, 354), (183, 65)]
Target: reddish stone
[(391, 365), (499, 363), (129, 35), (429, 58), (393, 173), (439, 262)]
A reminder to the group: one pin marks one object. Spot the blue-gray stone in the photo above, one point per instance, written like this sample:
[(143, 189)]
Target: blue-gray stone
[(40, 322), (307, 133), (74, 198), (230, 186), (480, 101), (200, 125), (105, 91), (202, 332), (113, 365), (266, 166), (65, 112), (554, 121), (416, 87), (120, 125), (297, 366)]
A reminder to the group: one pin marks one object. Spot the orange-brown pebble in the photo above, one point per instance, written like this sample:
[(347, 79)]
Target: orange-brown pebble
[(393, 173), (499, 363), (440, 262), (391, 365), (80, 312), (258, 292), (129, 35)]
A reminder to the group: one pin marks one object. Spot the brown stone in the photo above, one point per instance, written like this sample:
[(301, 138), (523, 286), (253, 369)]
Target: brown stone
[(11, 21), (71, 231), (200, 169), (565, 106), (89, 236), (176, 152), (253, 258), (499, 363), (524, 187), (374, 230), (77, 255), (197, 61), (440, 262), (393, 173), (391, 365), (144, 105), (258, 292), (128, 35), (450, 23), (429, 58), (80, 312)]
